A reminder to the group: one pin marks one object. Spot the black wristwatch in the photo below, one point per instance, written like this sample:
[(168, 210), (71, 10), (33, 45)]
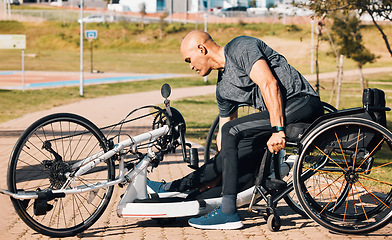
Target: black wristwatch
[(276, 129)]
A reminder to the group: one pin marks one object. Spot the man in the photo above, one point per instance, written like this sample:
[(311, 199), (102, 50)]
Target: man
[(253, 73)]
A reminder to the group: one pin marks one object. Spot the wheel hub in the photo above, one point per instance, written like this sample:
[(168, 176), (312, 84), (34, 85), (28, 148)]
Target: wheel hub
[(57, 176), (351, 176)]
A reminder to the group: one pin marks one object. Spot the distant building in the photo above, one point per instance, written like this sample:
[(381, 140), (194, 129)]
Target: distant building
[(153, 6)]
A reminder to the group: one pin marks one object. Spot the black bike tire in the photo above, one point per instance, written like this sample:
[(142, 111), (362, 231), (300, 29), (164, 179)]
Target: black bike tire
[(209, 139), (11, 176)]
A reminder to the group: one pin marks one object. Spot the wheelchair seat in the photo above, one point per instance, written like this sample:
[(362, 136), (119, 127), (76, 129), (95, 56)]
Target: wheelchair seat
[(296, 131)]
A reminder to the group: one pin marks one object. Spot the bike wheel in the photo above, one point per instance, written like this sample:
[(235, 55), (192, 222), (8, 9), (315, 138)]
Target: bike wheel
[(342, 176), (67, 138)]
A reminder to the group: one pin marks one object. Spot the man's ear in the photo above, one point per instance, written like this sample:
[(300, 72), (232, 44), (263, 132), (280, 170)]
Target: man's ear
[(201, 48)]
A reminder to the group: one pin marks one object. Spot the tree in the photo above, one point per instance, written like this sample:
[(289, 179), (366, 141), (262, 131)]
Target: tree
[(142, 13), (346, 28), (162, 17), (252, 4), (375, 8)]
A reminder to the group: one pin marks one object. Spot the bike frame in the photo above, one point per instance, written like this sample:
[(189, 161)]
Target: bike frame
[(90, 162)]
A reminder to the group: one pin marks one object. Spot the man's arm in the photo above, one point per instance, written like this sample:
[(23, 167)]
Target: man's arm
[(222, 121), (263, 77)]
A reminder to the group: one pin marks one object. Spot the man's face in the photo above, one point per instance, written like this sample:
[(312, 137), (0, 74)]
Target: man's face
[(197, 60)]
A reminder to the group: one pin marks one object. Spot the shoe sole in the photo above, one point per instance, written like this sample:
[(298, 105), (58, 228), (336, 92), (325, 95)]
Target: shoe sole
[(224, 226)]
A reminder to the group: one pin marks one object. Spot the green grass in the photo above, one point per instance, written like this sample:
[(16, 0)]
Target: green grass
[(192, 109), (104, 60)]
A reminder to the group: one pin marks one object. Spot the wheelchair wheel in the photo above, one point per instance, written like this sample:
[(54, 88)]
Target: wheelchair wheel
[(43, 157), (342, 175)]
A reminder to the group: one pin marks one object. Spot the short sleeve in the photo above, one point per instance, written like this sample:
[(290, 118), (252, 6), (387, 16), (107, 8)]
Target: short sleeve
[(226, 107), (246, 51)]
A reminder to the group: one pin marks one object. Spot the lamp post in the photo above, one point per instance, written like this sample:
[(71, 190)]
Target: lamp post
[(81, 49)]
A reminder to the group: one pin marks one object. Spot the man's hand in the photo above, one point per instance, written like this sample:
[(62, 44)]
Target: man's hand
[(276, 142)]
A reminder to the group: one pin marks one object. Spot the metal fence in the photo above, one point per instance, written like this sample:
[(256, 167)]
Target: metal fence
[(50, 15), (72, 15)]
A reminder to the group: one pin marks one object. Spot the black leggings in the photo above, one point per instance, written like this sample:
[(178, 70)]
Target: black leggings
[(250, 152), (248, 147), (304, 109)]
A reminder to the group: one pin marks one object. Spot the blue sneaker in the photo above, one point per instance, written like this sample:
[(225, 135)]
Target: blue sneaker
[(157, 187), (217, 220)]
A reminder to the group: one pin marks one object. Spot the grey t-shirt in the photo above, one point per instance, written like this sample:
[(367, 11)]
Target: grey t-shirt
[(234, 85)]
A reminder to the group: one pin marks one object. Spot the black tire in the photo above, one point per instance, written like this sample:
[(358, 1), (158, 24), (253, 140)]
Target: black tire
[(343, 153), (274, 223), (210, 141), (33, 168)]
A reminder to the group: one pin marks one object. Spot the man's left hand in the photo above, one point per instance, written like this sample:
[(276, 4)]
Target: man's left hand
[(277, 142)]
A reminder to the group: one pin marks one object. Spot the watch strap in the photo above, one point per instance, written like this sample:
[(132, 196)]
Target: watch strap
[(276, 129)]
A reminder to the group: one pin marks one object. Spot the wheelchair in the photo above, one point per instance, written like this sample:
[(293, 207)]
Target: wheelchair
[(340, 170)]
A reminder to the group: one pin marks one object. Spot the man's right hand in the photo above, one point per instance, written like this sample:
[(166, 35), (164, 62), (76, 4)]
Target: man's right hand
[(277, 142)]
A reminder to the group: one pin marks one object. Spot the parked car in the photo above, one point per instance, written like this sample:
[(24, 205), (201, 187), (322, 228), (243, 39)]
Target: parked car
[(93, 19), (13, 2), (238, 11)]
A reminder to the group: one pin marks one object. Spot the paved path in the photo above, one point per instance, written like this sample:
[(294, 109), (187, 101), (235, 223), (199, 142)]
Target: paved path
[(109, 226)]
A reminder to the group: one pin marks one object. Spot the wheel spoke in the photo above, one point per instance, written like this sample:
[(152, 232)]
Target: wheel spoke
[(352, 194), (329, 158), (336, 203), (345, 209), (373, 168), (370, 154), (363, 208), (341, 149), (356, 147), (325, 187), (375, 180), (323, 171), (372, 194), (331, 200)]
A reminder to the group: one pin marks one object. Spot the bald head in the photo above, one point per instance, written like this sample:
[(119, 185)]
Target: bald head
[(195, 38), (201, 52)]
